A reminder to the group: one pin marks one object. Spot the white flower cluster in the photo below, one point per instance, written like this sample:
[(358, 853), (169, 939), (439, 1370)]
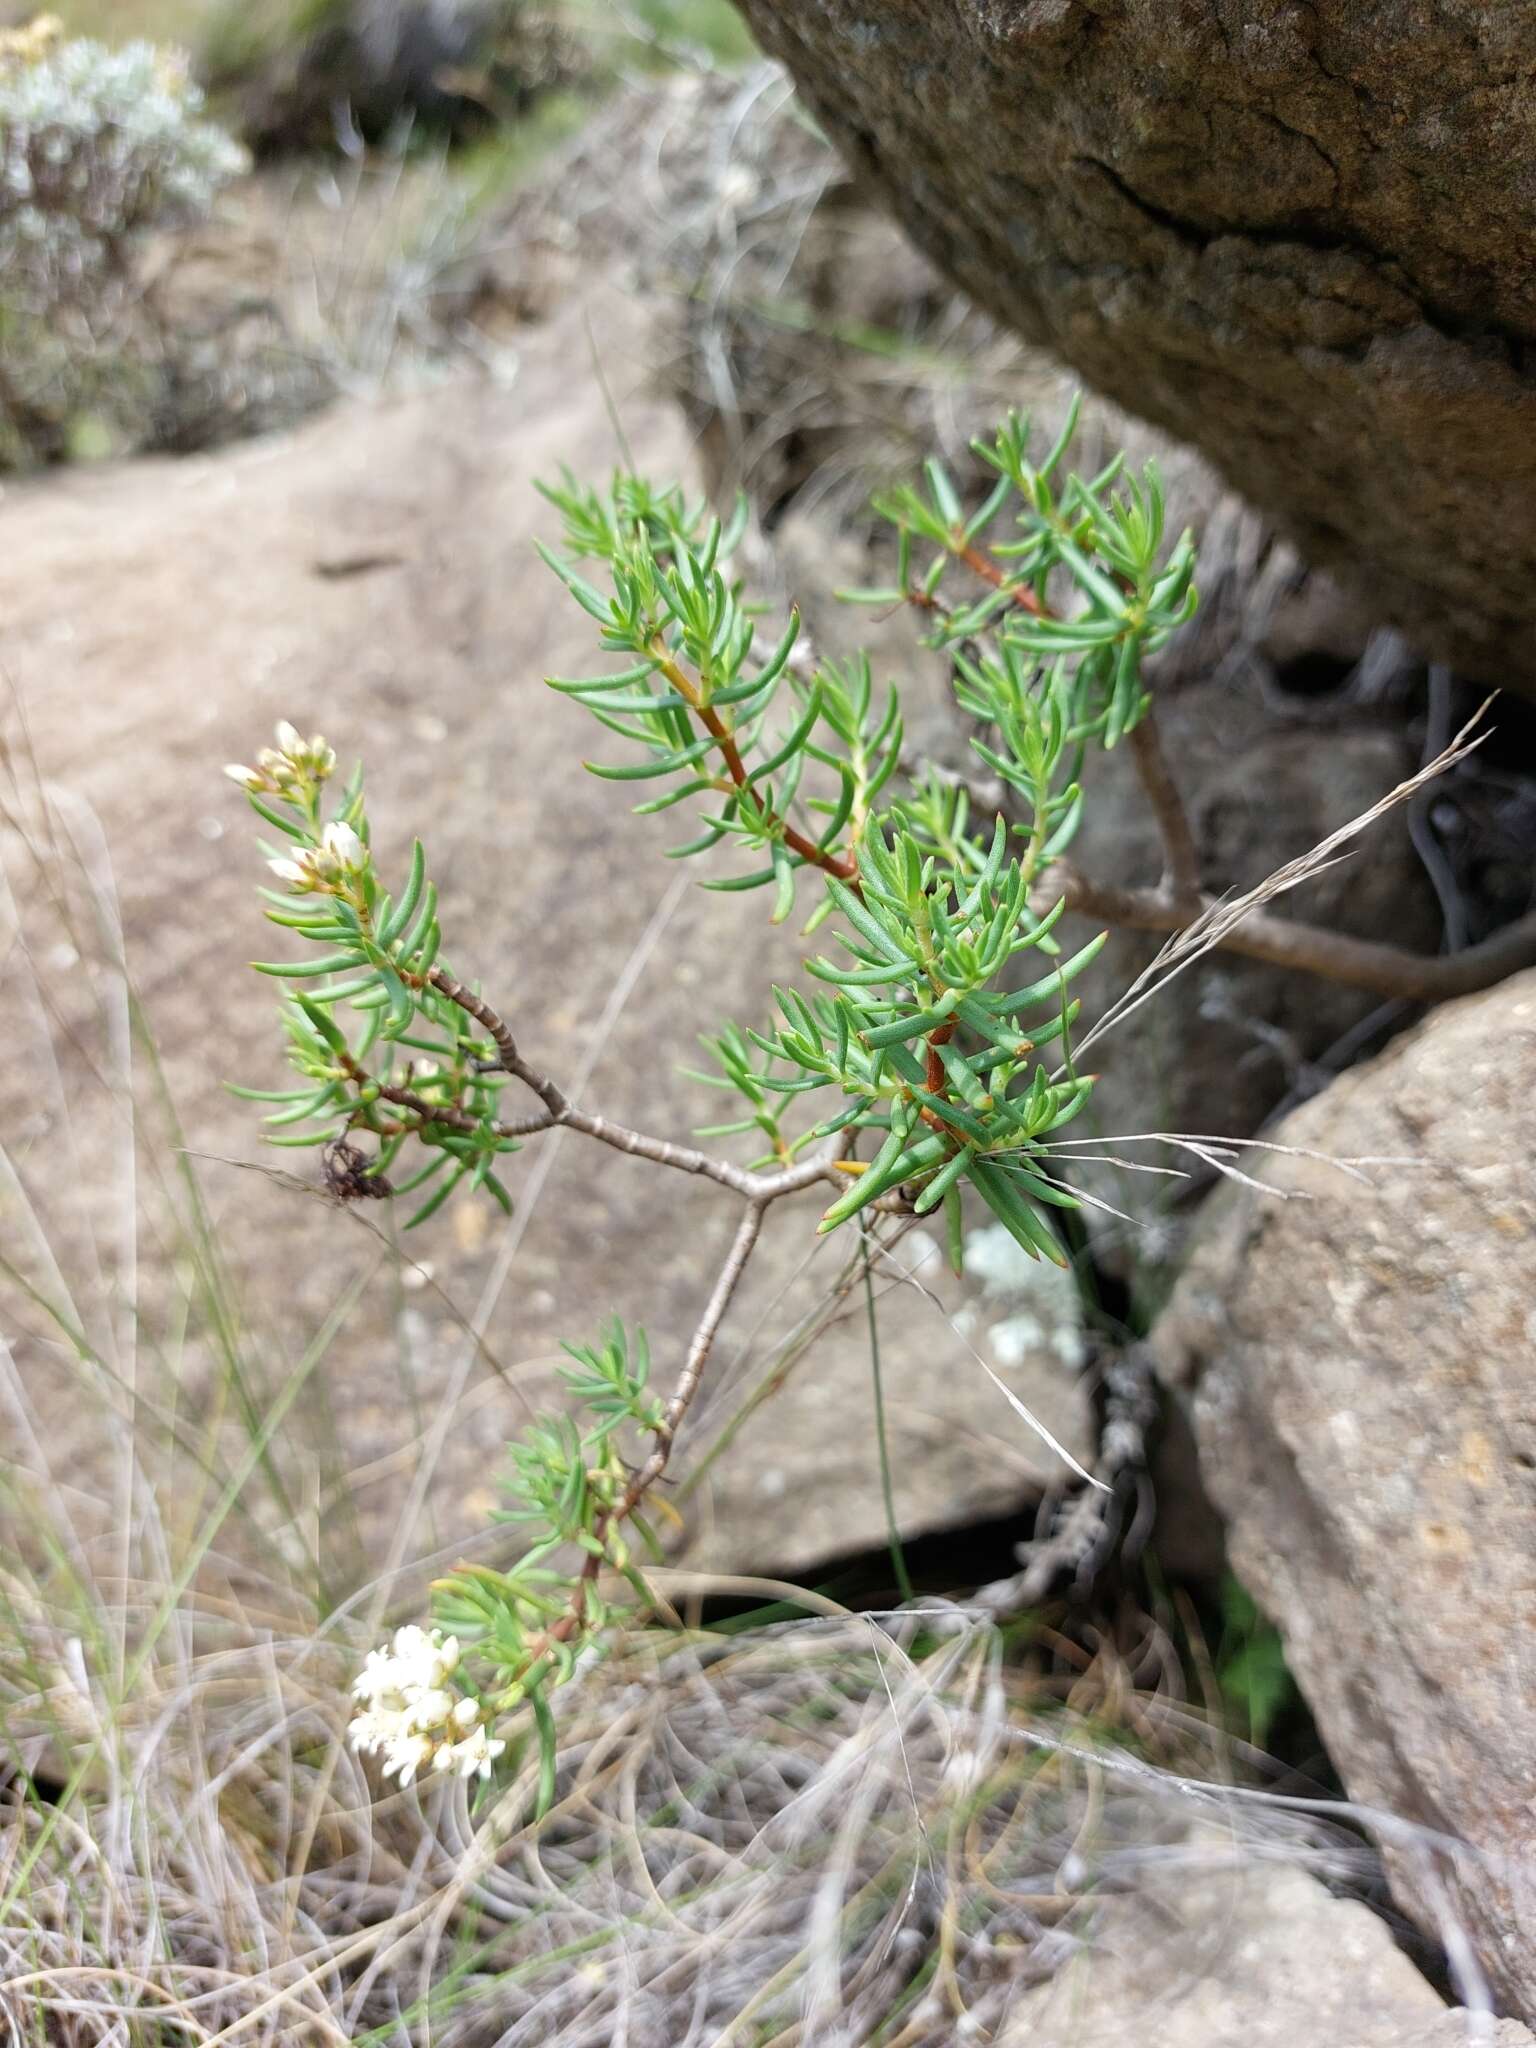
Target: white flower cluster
[(293, 770), (284, 769), (410, 1714), (96, 145)]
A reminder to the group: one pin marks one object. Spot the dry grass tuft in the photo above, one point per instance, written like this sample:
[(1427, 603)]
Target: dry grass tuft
[(878, 1825)]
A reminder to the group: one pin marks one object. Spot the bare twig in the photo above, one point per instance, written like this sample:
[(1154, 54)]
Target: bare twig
[(743, 1244), (1181, 858), (700, 1345), (561, 1112)]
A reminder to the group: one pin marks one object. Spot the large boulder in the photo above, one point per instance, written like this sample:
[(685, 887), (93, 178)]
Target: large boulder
[(1296, 236), (1360, 1369)]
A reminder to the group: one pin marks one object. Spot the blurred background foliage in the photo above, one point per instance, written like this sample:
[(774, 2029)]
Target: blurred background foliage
[(384, 137)]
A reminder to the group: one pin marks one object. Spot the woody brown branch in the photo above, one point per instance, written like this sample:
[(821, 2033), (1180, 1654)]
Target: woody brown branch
[(561, 1113), (689, 1379), (1181, 858), (761, 1191), (1360, 963)]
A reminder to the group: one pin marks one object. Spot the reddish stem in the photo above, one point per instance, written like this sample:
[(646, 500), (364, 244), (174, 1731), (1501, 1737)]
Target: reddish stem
[(1180, 853), (815, 856), (846, 869), (989, 572)]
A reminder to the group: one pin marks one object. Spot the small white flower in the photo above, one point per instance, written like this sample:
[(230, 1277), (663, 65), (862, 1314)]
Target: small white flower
[(409, 1712), (429, 1710), (422, 1657), (248, 778), (340, 854), (370, 1731), (296, 759), (476, 1753), (406, 1755)]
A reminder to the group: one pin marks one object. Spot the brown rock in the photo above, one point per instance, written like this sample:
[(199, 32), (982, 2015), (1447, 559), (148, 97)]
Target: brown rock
[(1298, 237), (1212, 1952), (1360, 1369)]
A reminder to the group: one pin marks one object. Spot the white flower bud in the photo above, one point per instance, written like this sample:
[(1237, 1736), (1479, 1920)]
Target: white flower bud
[(248, 778), (406, 1755), (290, 739), (342, 845)]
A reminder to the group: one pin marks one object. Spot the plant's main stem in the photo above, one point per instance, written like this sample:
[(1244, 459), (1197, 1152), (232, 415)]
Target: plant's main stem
[(1181, 856), (645, 1477), (760, 1191)]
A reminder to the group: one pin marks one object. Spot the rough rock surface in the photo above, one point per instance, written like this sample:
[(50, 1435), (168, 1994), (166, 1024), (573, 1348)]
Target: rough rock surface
[(1297, 236), (372, 575), (1250, 1956), (1244, 1956), (1360, 1367)]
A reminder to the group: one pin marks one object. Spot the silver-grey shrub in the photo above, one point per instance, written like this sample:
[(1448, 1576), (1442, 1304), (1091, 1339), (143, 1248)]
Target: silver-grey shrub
[(99, 148)]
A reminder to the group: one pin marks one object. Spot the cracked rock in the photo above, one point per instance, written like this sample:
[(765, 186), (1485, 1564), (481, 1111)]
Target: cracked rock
[(1297, 237), (1359, 1367)]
